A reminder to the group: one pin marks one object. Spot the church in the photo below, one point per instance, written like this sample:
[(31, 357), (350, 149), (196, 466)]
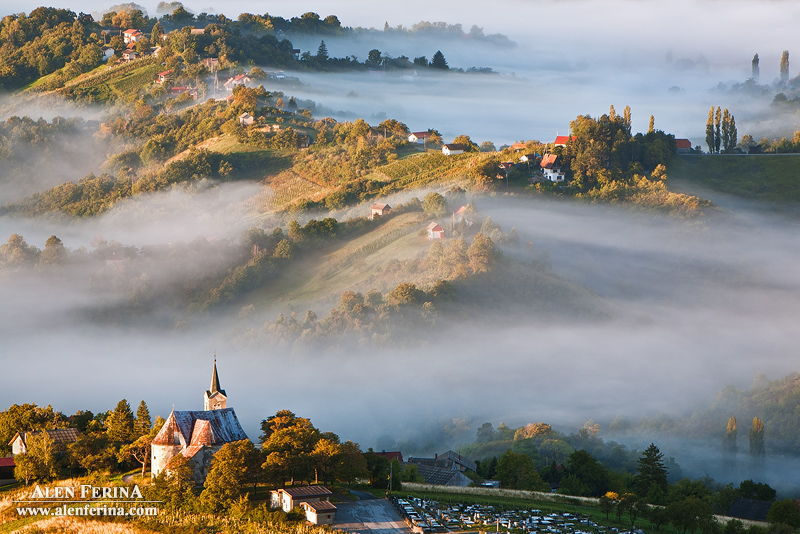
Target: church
[(197, 435)]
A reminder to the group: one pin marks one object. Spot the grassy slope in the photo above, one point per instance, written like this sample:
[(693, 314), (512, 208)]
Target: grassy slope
[(765, 178), (386, 257)]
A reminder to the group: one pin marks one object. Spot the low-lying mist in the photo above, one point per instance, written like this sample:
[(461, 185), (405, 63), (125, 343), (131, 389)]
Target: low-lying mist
[(693, 306)]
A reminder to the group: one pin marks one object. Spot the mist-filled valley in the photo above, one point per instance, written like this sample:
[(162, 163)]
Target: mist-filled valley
[(576, 246)]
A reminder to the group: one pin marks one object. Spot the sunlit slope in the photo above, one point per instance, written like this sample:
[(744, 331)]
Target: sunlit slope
[(397, 252), (765, 178)]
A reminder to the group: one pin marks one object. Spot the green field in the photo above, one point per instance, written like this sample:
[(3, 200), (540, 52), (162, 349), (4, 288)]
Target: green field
[(764, 178)]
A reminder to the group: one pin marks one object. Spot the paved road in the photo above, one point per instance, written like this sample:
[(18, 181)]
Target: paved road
[(373, 516)]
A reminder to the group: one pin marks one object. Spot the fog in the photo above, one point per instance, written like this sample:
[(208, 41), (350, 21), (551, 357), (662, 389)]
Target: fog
[(691, 306)]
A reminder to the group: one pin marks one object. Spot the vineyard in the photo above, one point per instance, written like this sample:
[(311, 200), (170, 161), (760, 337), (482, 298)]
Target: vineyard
[(284, 189), (423, 169), (112, 82)]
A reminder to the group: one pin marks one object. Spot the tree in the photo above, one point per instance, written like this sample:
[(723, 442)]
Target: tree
[(710, 140), (586, 470), (651, 127), (487, 146), (726, 135), (481, 253), (786, 512), (757, 452), (139, 450), (322, 51), (755, 70), (516, 471), (717, 130), (485, 433), (729, 447), (234, 465), (438, 61), (54, 252), (120, 423), (39, 460), (352, 463), (469, 146), (374, 57), (689, 514), (143, 424), (626, 118), (784, 68), (434, 204)]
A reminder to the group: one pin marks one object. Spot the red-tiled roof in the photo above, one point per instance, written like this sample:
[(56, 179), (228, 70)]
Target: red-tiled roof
[(564, 139), (549, 161), (7, 462), (683, 143), (421, 135), (397, 455)]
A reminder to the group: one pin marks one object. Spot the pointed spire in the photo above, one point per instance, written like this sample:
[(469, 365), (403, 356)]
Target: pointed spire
[(215, 377)]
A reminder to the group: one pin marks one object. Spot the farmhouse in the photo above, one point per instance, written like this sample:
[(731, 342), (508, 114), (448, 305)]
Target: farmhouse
[(197, 435), (19, 443), (164, 77), (551, 168), (239, 79), (435, 231), (684, 146), (379, 210), (130, 55), (131, 36), (288, 498), (562, 140), (416, 137), (453, 148), (245, 119)]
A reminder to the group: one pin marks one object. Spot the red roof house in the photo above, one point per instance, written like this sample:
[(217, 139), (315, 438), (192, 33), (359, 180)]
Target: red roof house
[(562, 140)]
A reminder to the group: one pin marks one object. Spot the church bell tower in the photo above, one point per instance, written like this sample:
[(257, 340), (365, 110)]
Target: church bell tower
[(215, 398)]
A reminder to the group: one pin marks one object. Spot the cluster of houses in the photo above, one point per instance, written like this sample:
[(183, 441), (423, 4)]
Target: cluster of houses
[(446, 469)]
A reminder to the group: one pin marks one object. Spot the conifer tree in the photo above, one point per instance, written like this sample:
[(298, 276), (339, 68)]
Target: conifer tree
[(143, 423), (322, 51)]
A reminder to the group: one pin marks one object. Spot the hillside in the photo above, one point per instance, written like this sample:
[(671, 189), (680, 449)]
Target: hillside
[(769, 178)]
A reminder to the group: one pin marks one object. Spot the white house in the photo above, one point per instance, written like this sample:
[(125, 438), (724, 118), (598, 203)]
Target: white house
[(416, 137), (319, 512), (245, 119), (562, 140), (19, 443), (551, 168), (453, 148), (379, 209), (239, 79), (435, 231), (288, 498), (131, 36)]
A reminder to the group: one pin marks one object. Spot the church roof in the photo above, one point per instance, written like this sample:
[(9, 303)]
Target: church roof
[(215, 382), (213, 427)]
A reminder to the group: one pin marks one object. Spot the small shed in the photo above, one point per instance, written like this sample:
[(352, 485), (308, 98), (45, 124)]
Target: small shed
[(435, 231), (453, 148), (319, 512), (245, 119), (683, 146), (379, 210), (7, 466), (19, 443)]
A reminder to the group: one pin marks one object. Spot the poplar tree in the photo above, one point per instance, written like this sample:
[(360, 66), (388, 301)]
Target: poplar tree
[(785, 66), (612, 113), (717, 129), (726, 136), (626, 117), (651, 128), (729, 448), (756, 70), (710, 130), (757, 452)]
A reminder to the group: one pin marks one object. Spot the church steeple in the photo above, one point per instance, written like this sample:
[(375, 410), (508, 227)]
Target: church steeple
[(215, 379), (215, 398)]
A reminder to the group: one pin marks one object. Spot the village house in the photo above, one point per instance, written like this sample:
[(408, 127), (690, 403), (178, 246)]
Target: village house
[(453, 148), (518, 146), (395, 455), (288, 498), (130, 55), (164, 77), (7, 466), (416, 137), (246, 119), (529, 158), (562, 140), (683, 146), (552, 169), (210, 63), (131, 36), (379, 209), (234, 81), (435, 231), (19, 443), (445, 470), (197, 435)]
